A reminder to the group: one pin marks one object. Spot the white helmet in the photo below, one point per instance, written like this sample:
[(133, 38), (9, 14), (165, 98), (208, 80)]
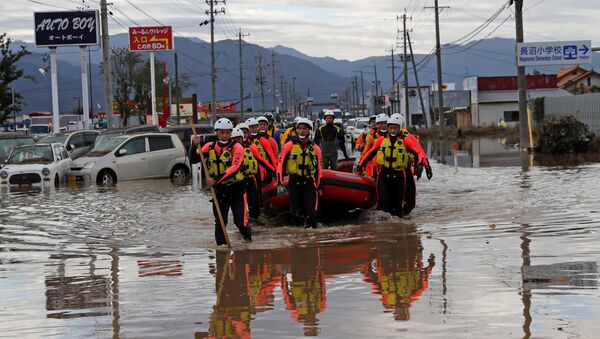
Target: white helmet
[(251, 122), (396, 119), (296, 120), (306, 122), (262, 119), (223, 123), (237, 133), (329, 114), (242, 125), (381, 118), (373, 117)]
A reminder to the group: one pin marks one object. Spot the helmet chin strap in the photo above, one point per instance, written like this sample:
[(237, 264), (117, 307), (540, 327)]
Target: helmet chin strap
[(383, 130), (302, 136), (223, 142), (254, 134)]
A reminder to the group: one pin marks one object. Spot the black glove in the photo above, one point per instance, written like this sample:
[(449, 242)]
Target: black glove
[(346, 157), (428, 171), (419, 170)]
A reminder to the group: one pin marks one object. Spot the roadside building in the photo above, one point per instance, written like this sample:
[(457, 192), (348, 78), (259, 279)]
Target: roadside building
[(578, 80), (497, 98)]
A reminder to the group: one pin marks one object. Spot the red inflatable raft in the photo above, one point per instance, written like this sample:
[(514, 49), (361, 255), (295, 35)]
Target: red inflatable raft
[(340, 190)]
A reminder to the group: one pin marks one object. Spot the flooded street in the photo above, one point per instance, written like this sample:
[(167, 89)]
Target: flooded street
[(493, 249)]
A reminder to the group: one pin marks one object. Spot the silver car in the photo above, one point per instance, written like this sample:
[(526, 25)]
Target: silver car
[(128, 157)]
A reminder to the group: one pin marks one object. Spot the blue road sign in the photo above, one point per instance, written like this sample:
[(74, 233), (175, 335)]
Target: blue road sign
[(554, 53)]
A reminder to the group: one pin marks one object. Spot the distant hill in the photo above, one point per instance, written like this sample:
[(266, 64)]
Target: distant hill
[(322, 75)]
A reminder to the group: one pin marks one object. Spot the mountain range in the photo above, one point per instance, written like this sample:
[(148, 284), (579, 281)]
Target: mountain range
[(317, 77)]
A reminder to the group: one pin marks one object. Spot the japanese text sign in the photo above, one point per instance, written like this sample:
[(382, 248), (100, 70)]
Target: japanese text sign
[(159, 38)]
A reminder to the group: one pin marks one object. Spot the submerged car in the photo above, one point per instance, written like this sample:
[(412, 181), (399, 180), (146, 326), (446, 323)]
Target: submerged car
[(38, 165), (10, 140), (127, 157), (77, 143)]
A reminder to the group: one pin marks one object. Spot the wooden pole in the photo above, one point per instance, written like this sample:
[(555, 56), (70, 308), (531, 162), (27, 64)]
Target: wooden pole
[(213, 192)]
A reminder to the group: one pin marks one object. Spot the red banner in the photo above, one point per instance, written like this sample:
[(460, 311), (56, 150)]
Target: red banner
[(158, 38)]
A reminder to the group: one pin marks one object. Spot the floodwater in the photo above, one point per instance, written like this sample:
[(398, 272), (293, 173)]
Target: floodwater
[(500, 248)]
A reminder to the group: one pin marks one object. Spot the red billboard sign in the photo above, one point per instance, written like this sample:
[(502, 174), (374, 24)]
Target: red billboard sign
[(158, 38)]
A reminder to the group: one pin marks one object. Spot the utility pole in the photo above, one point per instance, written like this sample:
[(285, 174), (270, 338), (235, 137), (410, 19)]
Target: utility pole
[(394, 93), (177, 94), (281, 93), (261, 81), (14, 109), (362, 88), (522, 80), (108, 109), (213, 71), (438, 54), (362, 104), (294, 96), (405, 71), (273, 82), (376, 98), (240, 36), (412, 59)]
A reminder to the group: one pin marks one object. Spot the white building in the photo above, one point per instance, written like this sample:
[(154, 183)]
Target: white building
[(497, 98)]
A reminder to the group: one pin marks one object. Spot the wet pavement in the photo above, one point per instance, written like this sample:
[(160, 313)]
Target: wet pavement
[(496, 248)]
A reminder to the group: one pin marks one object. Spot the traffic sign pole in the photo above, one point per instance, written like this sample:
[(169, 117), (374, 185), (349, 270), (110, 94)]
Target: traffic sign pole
[(54, 81), (153, 89)]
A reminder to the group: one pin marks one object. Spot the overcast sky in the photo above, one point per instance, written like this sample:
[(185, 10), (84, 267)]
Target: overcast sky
[(344, 29)]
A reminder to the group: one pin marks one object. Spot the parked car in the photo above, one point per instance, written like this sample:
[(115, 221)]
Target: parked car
[(37, 165), (77, 143), (38, 131), (127, 157), (184, 132), (361, 125), (10, 140)]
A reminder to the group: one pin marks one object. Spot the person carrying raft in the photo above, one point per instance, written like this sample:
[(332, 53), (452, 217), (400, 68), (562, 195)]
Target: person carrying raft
[(253, 163), (393, 156), (299, 169), (224, 159)]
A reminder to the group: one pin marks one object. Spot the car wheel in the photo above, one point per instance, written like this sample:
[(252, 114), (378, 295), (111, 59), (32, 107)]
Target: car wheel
[(180, 173), (106, 178), (56, 181)]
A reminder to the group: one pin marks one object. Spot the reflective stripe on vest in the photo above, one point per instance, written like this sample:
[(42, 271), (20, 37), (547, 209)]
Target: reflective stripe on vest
[(218, 165), (394, 156), (302, 162)]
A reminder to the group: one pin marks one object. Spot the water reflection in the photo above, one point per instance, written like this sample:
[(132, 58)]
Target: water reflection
[(75, 296), (500, 152), (247, 281)]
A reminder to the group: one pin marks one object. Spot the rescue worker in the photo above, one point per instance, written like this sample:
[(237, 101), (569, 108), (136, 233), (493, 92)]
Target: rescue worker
[(380, 130), (263, 126), (359, 145), (253, 161), (419, 160), (224, 159), (392, 157), (265, 150), (329, 137), (290, 132), (299, 169), (273, 131)]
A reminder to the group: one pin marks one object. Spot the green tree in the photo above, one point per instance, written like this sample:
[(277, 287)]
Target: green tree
[(125, 67), (9, 72), (131, 80)]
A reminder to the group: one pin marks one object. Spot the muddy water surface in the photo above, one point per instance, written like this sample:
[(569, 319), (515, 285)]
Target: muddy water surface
[(508, 251)]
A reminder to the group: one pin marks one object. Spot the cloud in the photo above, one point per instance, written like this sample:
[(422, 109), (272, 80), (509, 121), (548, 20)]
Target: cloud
[(343, 29)]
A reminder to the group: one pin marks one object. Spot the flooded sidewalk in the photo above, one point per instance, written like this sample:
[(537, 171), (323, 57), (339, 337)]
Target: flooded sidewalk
[(503, 246)]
